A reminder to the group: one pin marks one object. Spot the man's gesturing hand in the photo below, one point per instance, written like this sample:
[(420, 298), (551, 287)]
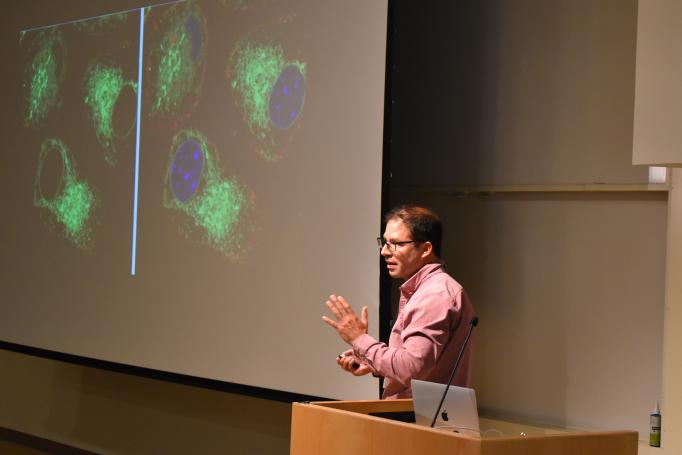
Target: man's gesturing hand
[(347, 324)]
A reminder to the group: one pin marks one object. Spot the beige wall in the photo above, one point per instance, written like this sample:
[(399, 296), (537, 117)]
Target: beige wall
[(110, 412), (671, 437), (657, 140), (657, 134)]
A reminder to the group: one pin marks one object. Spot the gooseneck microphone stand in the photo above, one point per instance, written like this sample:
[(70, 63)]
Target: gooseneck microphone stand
[(473, 323)]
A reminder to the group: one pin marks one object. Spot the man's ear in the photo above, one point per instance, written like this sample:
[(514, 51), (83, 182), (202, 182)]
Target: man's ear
[(428, 249)]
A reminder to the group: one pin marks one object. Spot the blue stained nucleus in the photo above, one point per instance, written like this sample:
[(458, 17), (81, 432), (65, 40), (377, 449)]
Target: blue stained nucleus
[(186, 169), (287, 96), (195, 32)]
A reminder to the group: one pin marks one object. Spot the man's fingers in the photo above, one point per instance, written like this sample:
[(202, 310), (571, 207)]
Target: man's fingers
[(341, 305), (337, 303), (329, 321), (345, 307), (348, 365), (361, 370), (347, 323), (344, 363), (334, 309)]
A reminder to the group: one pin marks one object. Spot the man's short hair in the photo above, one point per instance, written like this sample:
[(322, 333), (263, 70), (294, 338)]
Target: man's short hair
[(423, 223)]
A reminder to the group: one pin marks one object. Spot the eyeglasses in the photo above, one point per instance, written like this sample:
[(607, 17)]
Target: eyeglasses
[(392, 246)]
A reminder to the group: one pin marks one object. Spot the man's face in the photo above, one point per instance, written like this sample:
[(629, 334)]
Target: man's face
[(407, 259)]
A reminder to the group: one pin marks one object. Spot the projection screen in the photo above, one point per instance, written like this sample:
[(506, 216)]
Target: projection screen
[(191, 181)]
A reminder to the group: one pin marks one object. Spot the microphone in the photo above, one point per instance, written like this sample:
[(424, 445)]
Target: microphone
[(473, 323)]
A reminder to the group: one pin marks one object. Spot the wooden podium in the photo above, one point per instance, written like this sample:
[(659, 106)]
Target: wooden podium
[(345, 427)]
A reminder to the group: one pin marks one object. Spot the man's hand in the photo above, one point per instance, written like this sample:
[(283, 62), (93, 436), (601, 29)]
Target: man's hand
[(347, 324), (346, 361)]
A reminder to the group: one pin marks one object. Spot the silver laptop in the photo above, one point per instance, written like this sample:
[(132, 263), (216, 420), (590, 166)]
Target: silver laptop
[(458, 413)]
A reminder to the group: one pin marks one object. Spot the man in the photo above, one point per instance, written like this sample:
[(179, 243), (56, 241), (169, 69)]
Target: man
[(433, 316)]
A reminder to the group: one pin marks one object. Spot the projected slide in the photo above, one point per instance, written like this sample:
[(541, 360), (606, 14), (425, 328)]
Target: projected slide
[(194, 179)]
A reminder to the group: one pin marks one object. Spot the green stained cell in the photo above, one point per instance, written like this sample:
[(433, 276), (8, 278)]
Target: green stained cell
[(220, 207), (45, 75), (255, 69), (73, 205), (73, 208), (180, 57), (218, 211), (103, 86)]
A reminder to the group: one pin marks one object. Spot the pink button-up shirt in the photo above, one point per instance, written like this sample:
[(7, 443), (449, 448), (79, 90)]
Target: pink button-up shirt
[(433, 320)]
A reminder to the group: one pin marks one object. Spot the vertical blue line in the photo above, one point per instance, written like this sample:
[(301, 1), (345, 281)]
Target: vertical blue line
[(137, 143)]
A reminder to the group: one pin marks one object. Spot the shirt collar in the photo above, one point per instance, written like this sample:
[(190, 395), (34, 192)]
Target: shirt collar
[(413, 282)]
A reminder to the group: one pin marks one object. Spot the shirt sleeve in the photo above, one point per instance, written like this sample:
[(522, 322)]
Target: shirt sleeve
[(427, 325)]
